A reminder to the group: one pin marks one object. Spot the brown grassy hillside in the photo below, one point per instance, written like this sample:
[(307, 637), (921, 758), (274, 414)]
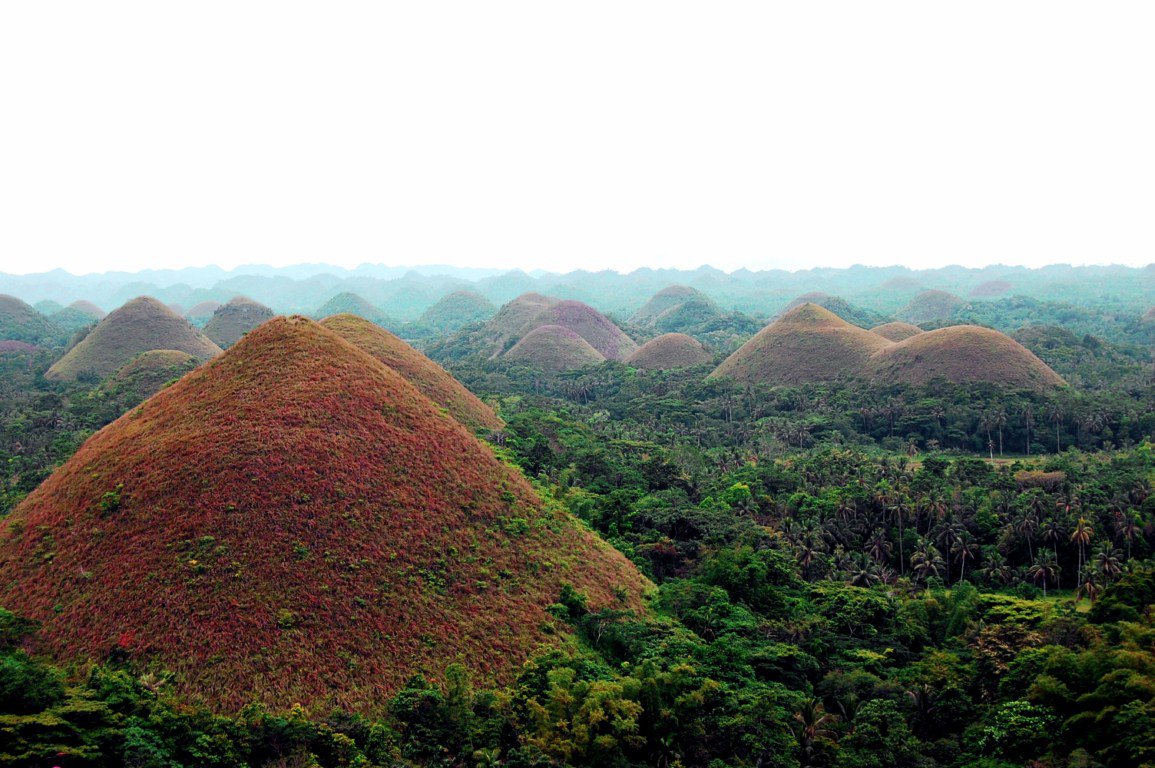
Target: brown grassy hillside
[(896, 331), (147, 373), (430, 378), (991, 288), (597, 329), (141, 325), (962, 354), (295, 522), (514, 320), (808, 344), (234, 319), (671, 350), (666, 300), (929, 307), (554, 348)]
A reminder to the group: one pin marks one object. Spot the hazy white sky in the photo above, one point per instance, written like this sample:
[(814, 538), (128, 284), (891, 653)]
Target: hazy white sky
[(564, 135)]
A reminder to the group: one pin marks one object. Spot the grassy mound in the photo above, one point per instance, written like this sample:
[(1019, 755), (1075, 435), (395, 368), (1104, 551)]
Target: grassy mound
[(668, 300), (88, 308), (20, 322), (12, 347), (430, 378), (234, 319), (141, 325), (352, 304), (962, 354), (930, 307), (808, 344), (852, 314), (991, 288), (514, 320), (671, 350), (457, 310), (147, 373), (597, 329), (554, 348), (896, 331), (201, 313), (295, 522)]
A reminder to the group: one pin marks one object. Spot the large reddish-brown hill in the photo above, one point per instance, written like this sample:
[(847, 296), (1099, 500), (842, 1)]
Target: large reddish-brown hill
[(430, 378), (962, 354), (141, 325), (515, 319), (807, 344), (668, 351), (554, 348), (234, 319), (597, 329), (296, 522)]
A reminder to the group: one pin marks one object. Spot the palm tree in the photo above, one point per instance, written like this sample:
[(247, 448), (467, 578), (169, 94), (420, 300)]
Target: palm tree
[(879, 547), (862, 571), (1044, 570), (1081, 535), (1108, 563), (946, 536), (996, 568), (926, 560), (1090, 586), (964, 549), (1028, 416), (1055, 416), (1127, 527), (1051, 531), (1000, 420), (813, 726), (1026, 525)]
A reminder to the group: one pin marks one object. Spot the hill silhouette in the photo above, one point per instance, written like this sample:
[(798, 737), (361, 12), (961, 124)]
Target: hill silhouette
[(351, 304), (234, 319), (430, 378), (896, 331), (962, 354), (929, 307), (807, 344), (141, 325), (295, 522), (667, 300), (850, 313), (554, 348), (71, 318), (670, 350), (201, 313), (514, 320), (20, 322), (991, 288), (457, 310)]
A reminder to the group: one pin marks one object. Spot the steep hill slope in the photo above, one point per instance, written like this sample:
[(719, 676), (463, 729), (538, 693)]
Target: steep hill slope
[(141, 325), (515, 319), (351, 304), (295, 522), (962, 354), (430, 378), (930, 307), (234, 319), (201, 313), (554, 348), (20, 322), (666, 300), (597, 329), (146, 374), (896, 331), (671, 350), (808, 344)]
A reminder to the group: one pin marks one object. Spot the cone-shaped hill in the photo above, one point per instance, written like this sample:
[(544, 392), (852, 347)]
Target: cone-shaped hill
[(992, 288), (351, 304), (669, 300), (896, 331), (234, 319), (141, 325), (295, 522), (852, 314), (929, 307), (515, 319), (962, 354), (147, 373), (671, 350), (202, 312), (807, 344), (88, 308), (430, 378), (71, 319), (597, 329), (20, 322), (457, 310), (554, 348)]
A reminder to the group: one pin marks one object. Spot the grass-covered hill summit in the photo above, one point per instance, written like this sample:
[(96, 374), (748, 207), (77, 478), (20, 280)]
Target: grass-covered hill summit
[(962, 354), (141, 325), (670, 350), (430, 378), (234, 319), (457, 310), (897, 330), (807, 344), (296, 522), (554, 348), (20, 322)]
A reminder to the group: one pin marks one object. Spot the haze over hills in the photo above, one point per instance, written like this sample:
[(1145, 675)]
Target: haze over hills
[(234, 319), (295, 522)]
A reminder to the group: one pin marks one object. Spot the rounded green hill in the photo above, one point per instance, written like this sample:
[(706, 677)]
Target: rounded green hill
[(234, 319)]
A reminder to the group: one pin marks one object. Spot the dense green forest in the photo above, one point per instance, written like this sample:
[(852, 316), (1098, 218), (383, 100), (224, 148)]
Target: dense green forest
[(843, 575)]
